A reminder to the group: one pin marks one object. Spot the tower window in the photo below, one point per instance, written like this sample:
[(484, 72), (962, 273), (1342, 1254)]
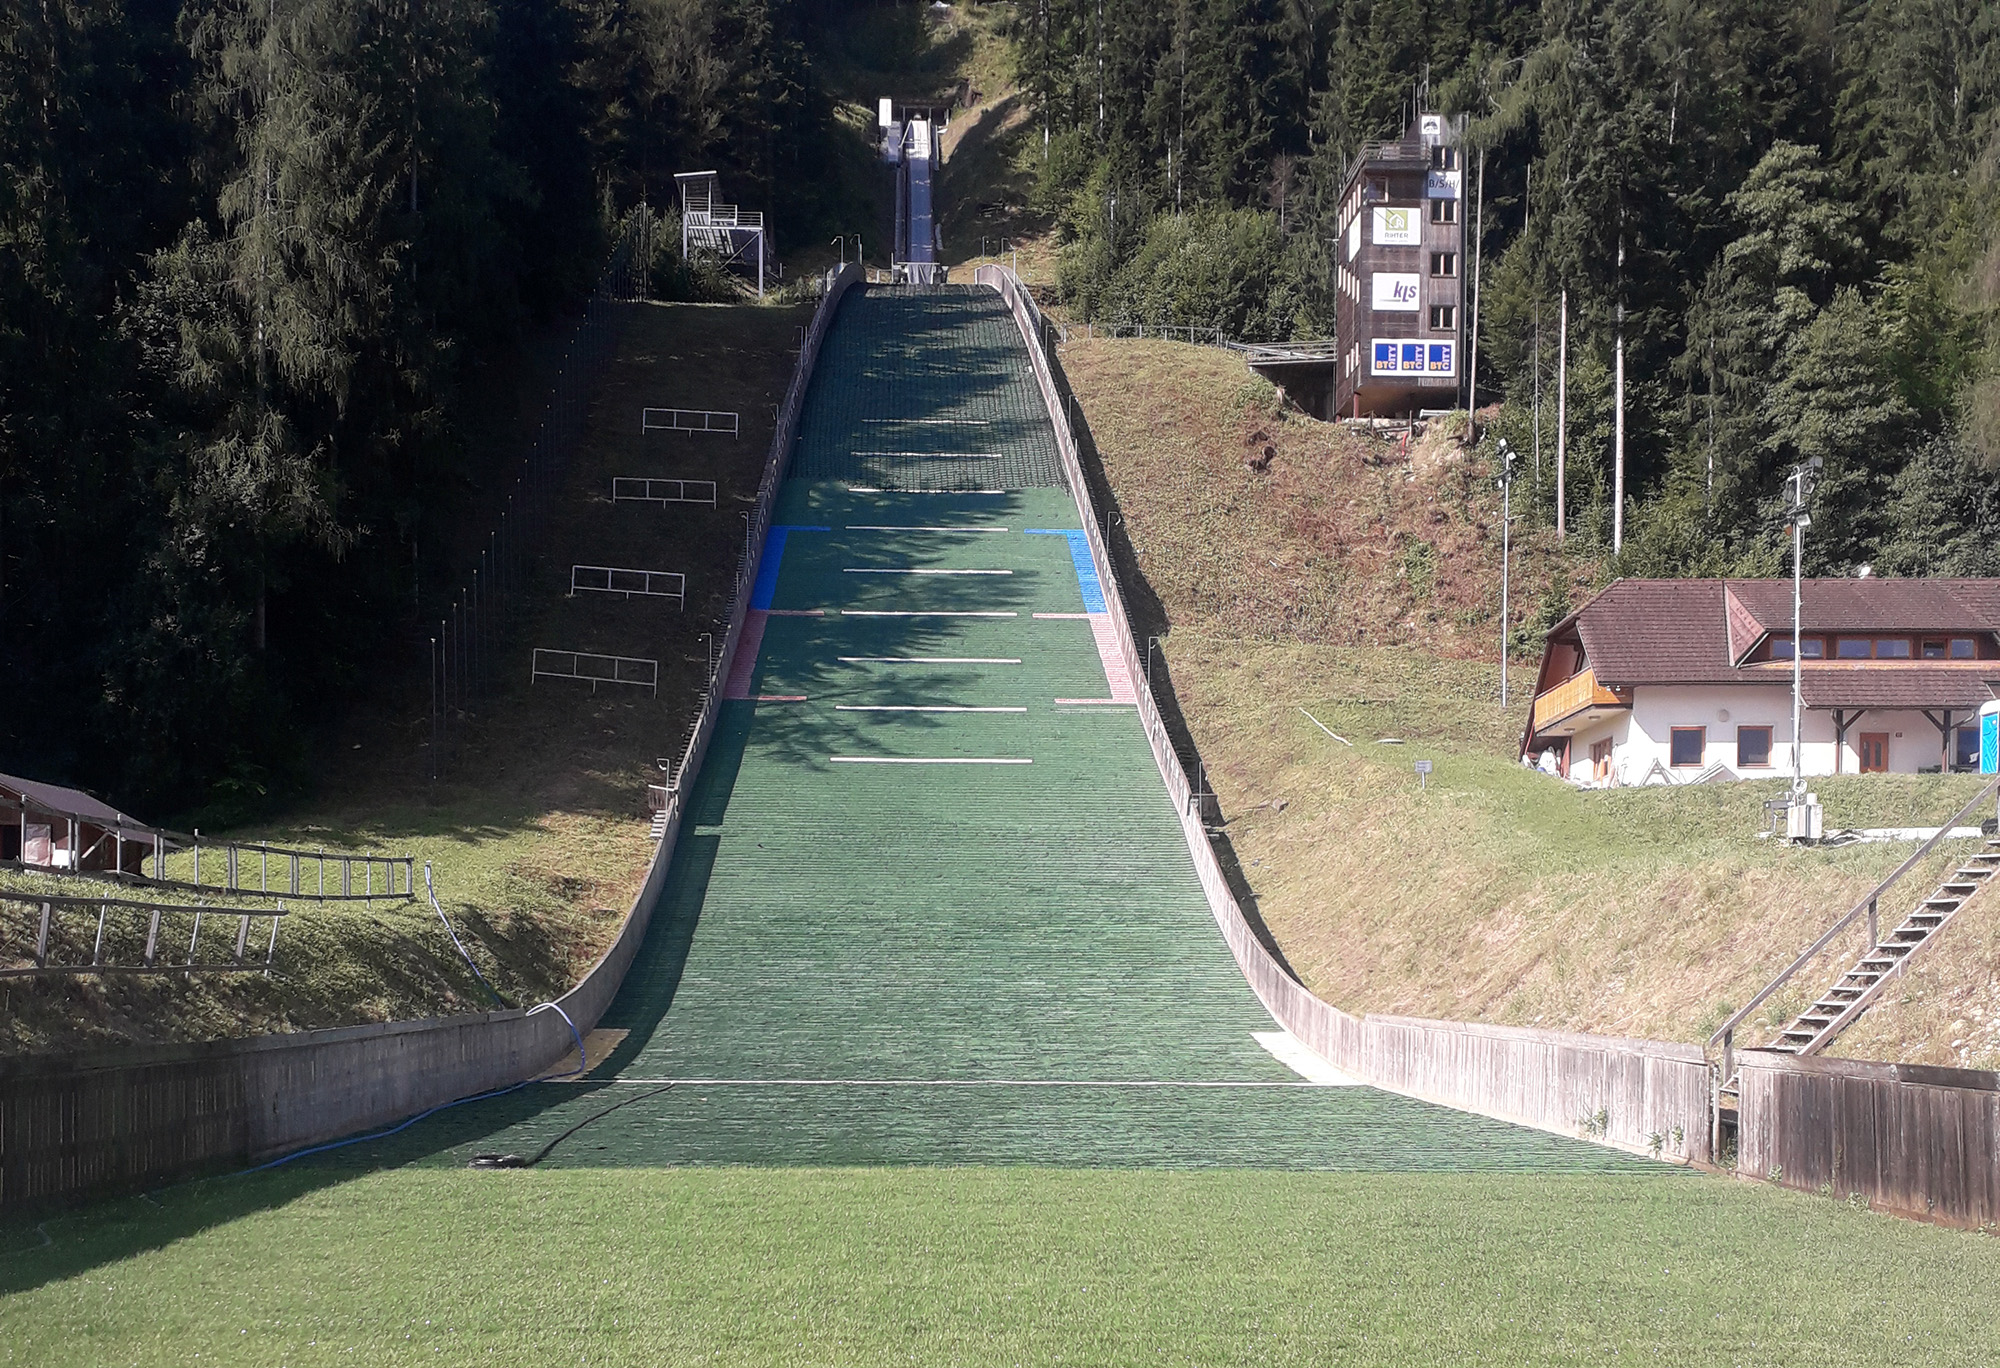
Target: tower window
[(1444, 317), (1444, 159), (1444, 263), (1444, 211)]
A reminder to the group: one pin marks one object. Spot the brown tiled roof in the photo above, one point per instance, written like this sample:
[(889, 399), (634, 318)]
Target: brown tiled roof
[(1910, 686), (1874, 605), (1657, 632), (74, 801), (1693, 631)]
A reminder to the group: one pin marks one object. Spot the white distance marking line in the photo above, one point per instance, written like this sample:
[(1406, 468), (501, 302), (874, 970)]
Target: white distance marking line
[(880, 527), (871, 489), (906, 612), (946, 1082), (930, 660), (934, 422), (920, 760), (1063, 617), (901, 570), (936, 455), (918, 707)]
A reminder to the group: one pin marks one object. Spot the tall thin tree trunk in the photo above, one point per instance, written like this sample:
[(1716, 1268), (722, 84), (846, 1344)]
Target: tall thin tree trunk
[(1618, 416), (1562, 408)]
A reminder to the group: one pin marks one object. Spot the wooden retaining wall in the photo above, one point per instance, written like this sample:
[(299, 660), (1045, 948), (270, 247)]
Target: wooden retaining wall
[(1645, 1096), (76, 1125), (1911, 1139)]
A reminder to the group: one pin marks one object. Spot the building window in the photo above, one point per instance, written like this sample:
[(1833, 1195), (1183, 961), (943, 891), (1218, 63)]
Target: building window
[(1753, 747), (1963, 648), (1687, 745), (1444, 317), (1373, 190), (1444, 211), (1444, 159), (1892, 648), (1852, 648), (1444, 264), (1810, 648), (1965, 754)]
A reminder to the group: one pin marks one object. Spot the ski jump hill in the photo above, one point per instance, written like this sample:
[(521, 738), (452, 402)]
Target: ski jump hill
[(930, 902)]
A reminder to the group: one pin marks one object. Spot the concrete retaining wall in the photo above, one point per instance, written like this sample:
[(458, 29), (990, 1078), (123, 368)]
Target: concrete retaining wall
[(1645, 1096), (73, 1126)]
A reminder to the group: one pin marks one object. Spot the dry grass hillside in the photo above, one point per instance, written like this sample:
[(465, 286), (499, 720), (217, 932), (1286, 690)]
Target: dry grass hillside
[(1293, 565), (1244, 512)]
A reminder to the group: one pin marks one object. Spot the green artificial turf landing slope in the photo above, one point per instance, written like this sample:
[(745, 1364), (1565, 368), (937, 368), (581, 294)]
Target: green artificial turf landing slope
[(931, 904)]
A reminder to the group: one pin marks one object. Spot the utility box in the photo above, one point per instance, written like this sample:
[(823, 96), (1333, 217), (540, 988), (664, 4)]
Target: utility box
[(1989, 737), (1805, 821)]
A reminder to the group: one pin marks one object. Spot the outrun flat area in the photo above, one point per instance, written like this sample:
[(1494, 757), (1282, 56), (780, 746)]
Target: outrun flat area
[(942, 1062)]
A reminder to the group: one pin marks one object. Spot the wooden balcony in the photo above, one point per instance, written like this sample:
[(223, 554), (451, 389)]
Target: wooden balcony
[(1580, 693)]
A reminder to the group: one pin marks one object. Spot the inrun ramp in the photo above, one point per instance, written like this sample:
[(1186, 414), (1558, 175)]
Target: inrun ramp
[(931, 903)]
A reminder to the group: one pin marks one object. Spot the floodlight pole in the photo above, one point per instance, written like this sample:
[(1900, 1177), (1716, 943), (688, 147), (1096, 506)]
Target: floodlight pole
[(1801, 483), (841, 243), (1506, 527)]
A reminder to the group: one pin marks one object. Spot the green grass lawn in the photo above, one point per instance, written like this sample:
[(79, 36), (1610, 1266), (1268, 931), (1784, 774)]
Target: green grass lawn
[(989, 1266)]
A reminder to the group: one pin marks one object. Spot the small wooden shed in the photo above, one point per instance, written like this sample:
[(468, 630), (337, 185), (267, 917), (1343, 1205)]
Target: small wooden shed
[(48, 826)]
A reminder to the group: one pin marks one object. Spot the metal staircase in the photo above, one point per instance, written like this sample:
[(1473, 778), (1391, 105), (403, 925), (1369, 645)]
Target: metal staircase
[(1842, 1004), (1851, 995)]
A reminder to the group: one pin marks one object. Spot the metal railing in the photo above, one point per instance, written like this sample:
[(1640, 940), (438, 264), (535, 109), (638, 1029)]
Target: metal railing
[(610, 579), (690, 420), (638, 489), (50, 906), (1725, 1035), (635, 671)]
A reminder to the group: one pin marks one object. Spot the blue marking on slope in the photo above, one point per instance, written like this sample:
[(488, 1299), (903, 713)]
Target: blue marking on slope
[(1086, 568), (767, 564)]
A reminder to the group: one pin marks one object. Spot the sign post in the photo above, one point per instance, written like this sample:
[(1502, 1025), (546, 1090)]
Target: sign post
[(1424, 775)]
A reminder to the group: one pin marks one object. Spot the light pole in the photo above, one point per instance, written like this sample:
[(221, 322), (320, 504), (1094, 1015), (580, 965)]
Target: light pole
[(1506, 528), (841, 243), (1795, 514)]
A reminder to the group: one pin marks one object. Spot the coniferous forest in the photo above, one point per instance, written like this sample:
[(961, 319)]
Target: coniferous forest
[(255, 258), (259, 257), (1789, 208)]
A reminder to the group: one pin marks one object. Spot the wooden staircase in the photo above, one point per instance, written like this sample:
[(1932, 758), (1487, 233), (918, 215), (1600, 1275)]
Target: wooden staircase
[(1842, 1004)]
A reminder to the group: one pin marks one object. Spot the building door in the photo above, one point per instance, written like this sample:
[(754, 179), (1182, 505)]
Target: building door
[(1874, 752)]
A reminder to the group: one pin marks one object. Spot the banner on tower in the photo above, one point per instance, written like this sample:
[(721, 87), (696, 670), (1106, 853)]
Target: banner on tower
[(1395, 291), (1413, 358), (1398, 228)]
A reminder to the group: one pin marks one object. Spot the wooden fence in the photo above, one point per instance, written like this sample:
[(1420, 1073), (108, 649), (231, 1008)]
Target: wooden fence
[(1910, 1139), (1644, 1096), (73, 1126)]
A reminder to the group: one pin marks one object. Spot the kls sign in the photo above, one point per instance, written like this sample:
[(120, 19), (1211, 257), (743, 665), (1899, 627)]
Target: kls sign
[(1395, 290)]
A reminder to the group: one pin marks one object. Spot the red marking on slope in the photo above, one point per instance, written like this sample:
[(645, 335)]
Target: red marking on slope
[(1115, 673), (744, 666)]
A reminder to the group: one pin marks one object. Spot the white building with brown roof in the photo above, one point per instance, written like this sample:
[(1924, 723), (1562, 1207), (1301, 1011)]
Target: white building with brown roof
[(1673, 680)]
